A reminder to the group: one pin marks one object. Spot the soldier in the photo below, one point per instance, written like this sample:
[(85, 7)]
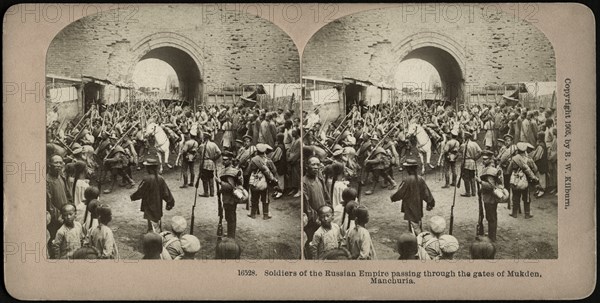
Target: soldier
[(378, 163), (117, 161), (504, 156), (188, 154), (211, 153), (472, 154), (229, 180), (492, 192), (261, 164), (450, 152), (520, 164), (245, 153)]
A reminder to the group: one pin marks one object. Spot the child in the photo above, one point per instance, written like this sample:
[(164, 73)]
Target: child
[(80, 184), (359, 240), (228, 249), (328, 236), (339, 185), (102, 237), (90, 217), (429, 241), (482, 249), (349, 203), (69, 236), (152, 246), (448, 246), (407, 247), (86, 253), (172, 240), (190, 246)]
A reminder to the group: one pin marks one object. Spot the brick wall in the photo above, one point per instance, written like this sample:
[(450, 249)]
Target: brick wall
[(236, 48), (494, 48)]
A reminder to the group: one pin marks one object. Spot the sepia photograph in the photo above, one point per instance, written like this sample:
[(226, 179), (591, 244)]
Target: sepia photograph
[(275, 144), (430, 137), (173, 133)]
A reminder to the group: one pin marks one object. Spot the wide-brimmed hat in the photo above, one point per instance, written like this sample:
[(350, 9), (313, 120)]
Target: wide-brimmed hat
[(466, 133), (239, 141), (508, 136), (247, 137), (151, 162), (410, 163)]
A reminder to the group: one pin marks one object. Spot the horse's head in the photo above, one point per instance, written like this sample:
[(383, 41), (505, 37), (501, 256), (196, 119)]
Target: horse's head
[(150, 129), (411, 129)]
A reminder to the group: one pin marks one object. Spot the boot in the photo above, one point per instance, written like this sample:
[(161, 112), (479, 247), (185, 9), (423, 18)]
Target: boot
[(185, 182), (192, 180), (266, 215), (370, 191), (447, 182), (528, 211), (515, 207), (112, 186), (230, 231), (253, 211), (211, 187), (205, 188)]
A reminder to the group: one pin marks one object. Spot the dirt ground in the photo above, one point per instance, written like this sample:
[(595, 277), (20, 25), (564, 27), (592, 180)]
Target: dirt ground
[(277, 238), (517, 238)]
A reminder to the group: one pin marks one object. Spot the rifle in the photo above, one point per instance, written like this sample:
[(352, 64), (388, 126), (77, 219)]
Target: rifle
[(220, 205), (197, 184), (120, 139), (358, 190), (480, 230), (462, 167)]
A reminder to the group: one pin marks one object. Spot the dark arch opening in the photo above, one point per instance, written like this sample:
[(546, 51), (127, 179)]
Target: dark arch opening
[(188, 72), (451, 76)]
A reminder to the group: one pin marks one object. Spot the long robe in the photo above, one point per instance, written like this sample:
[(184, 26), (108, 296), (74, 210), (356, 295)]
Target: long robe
[(413, 191), (152, 191)]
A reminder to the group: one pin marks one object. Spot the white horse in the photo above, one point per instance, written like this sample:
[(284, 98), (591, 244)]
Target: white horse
[(423, 143), (161, 142)]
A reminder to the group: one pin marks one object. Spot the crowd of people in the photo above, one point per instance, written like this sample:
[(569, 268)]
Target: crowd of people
[(244, 155), (502, 154)]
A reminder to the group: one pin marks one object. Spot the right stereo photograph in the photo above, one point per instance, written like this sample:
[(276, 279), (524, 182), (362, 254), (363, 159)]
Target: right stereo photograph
[(429, 137)]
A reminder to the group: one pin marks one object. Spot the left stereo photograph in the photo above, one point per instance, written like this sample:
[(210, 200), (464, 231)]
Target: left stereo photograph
[(173, 132)]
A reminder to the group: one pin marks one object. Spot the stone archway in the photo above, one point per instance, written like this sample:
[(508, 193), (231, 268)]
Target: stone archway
[(445, 54), (182, 54)]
